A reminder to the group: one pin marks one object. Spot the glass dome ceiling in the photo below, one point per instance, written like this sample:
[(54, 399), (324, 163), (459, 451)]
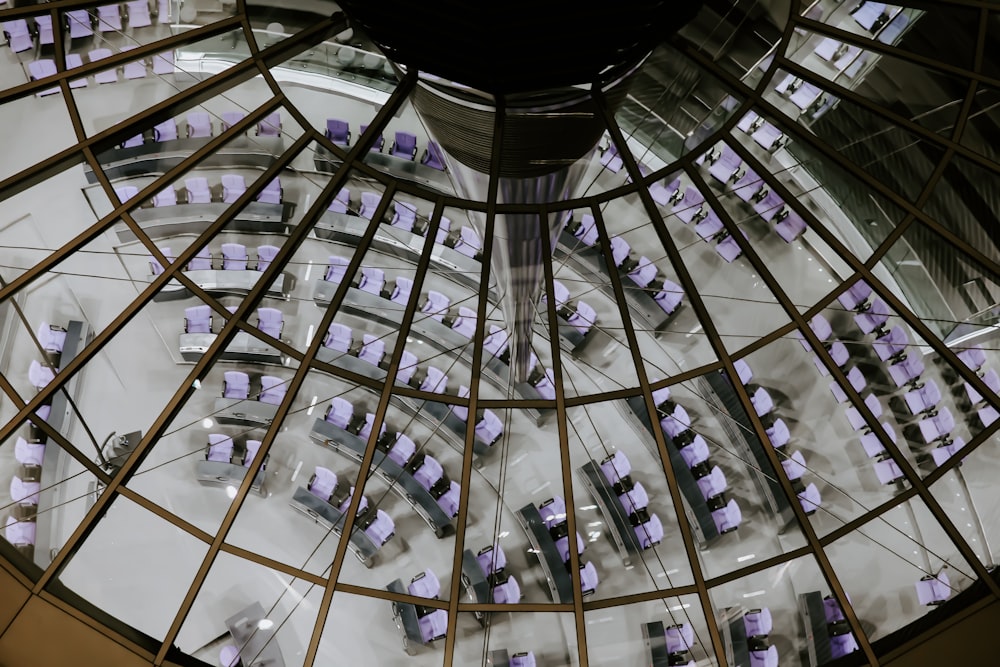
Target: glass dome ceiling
[(764, 393)]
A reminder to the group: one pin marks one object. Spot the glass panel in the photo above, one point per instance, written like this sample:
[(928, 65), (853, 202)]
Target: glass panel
[(118, 565), (629, 634), (548, 637), (264, 614), (964, 203)]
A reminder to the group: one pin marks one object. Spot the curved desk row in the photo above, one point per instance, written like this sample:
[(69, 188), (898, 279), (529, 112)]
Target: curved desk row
[(695, 507), (476, 586), (433, 333), (400, 167), (158, 157), (54, 463), (719, 391), (218, 282), (394, 241), (333, 519), (590, 260), (556, 574), (398, 479), (248, 412), (165, 221), (243, 347), (614, 512), (221, 473)]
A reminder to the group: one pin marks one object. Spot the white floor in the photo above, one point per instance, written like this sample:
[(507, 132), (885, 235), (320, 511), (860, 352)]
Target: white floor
[(138, 567)]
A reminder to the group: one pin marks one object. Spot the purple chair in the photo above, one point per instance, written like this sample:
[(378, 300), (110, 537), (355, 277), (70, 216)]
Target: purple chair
[(270, 126), (857, 381), (165, 197), (252, 446), (689, 206), (132, 143), (728, 248), (588, 579), (220, 448), (768, 205), (381, 530), (676, 422), (429, 473), (743, 371), (323, 483), (856, 296), (491, 560), (202, 261), (809, 499), (404, 217), (342, 202), (670, 297), (794, 466), (790, 227), (369, 202), (679, 638), (767, 657), (372, 280), (339, 337), (906, 371), (874, 318), (727, 519), (233, 187), (51, 339), (234, 257), (758, 622), (465, 323), (18, 35), (748, 185), (713, 483), (401, 289), (841, 645), (938, 426), (425, 585), (272, 390), (163, 63), (649, 533), (933, 590), (366, 428), (449, 500), (372, 349), (562, 546), (126, 192), (265, 255), (553, 512), (778, 433), (858, 422), (726, 165), (405, 146), (78, 22), (340, 413), (616, 467), (831, 610), (586, 232), (199, 124), (468, 242), (40, 69), (230, 118), (496, 342), (945, 451), (379, 140), (270, 321), (892, 346), (433, 157), (24, 493), (436, 381), (708, 226), (19, 533), (338, 131), (695, 453), (198, 191), (987, 415), (198, 319), (990, 378), (436, 305), (137, 13), (236, 385), (973, 357), (663, 194), (634, 499), (762, 402), (337, 269), (433, 626), (923, 399), (402, 450), (272, 192), (611, 160), (872, 446), (407, 367), (887, 470)]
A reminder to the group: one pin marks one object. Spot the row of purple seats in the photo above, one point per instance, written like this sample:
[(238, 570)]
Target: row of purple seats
[(488, 428), (22, 36), (553, 512), (400, 449), (647, 526), (221, 448), (374, 522), (689, 206), (198, 191), (236, 385), (233, 257), (711, 480), (432, 622), (764, 134), (842, 640), (405, 145), (504, 588), (340, 337), (198, 319)]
